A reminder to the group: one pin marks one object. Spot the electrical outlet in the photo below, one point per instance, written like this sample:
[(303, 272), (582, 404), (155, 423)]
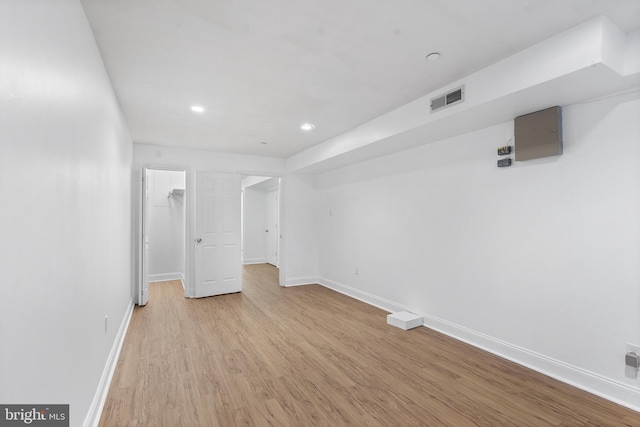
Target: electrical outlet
[(502, 163), (631, 361)]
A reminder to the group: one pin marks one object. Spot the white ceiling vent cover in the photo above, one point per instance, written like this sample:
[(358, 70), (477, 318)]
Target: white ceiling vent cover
[(455, 96)]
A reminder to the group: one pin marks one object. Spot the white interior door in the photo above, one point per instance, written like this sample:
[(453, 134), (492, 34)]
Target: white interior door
[(143, 297), (218, 264), (272, 229)]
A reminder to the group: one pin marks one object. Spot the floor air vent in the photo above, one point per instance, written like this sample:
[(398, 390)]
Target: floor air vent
[(449, 98)]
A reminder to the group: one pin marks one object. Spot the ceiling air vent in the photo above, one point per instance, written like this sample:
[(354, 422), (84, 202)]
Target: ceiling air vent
[(449, 98)]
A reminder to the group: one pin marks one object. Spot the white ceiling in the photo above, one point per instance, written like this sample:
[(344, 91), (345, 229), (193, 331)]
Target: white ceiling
[(262, 68)]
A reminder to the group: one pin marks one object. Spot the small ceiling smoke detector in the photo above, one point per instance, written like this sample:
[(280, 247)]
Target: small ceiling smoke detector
[(197, 109), (307, 127), (434, 56)]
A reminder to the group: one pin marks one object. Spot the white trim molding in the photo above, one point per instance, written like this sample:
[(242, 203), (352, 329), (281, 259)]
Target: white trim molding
[(300, 281), (363, 296), (97, 405), (163, 277), (593, 383), (249, 261)]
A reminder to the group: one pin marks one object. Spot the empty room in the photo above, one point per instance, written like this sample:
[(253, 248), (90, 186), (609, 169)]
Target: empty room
[(320, 213)]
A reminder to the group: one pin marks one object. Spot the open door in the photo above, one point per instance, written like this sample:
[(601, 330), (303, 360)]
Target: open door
[(143, 296), (218, 264)]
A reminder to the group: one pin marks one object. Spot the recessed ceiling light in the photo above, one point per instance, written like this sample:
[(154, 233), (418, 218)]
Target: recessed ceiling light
[(197, 109), (307, 126), (433, 56)]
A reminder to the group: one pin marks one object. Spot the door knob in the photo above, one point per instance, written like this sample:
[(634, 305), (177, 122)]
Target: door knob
[(198, 240)]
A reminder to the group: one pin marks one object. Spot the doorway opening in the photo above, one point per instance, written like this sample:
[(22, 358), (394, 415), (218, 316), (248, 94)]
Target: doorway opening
[(261, 227), (164, 227)]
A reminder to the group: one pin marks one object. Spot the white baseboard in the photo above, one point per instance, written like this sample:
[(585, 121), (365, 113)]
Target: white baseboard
[(599, 385), (97, 405), (163, 277), (363, 296), (299, 281), (591, 382), (248, 261)]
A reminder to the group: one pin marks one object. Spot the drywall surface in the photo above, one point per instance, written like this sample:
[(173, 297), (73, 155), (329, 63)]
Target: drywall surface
[(540, 259), (65, 165), (299, 251), (207, 160), (166, 225)]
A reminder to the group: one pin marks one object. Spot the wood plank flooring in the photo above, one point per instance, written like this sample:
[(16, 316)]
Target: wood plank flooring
[(308, 356)]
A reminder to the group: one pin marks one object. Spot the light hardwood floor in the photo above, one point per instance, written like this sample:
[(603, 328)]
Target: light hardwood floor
[(308, 356)]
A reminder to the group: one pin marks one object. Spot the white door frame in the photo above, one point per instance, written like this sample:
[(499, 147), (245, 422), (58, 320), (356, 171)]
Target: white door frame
[(138, 195), (281, 216)]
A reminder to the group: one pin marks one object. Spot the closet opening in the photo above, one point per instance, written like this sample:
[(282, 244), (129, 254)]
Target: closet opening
[(164, 225)]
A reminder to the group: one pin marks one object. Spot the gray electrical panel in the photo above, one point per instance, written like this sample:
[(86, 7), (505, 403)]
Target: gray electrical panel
[(538, 134)]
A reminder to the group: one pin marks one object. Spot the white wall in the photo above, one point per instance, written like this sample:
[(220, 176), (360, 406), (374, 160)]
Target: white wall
[(300, 252), (207, 160), (65, 171), (166, 225), (538, 262), (255, 222)]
